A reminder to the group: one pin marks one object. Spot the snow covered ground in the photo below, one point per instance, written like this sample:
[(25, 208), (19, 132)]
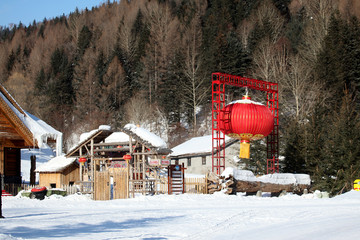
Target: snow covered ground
[(216, 216)]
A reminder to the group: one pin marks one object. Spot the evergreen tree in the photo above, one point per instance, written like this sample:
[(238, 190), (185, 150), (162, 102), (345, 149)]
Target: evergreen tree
[(316, 161), (330, 65), (10, 62), (60, 88), (343, 149), (351, 57), (294, 161), (84, 40), (40, 83)]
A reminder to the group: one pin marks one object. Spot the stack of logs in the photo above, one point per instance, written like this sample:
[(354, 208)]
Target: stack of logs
[(230, 185)]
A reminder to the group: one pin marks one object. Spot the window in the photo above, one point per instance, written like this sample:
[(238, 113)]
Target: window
[(53, 185), (203, 158), (189, 162)]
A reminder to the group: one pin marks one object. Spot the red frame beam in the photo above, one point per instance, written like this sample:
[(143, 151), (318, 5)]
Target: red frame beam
[(219, 81)]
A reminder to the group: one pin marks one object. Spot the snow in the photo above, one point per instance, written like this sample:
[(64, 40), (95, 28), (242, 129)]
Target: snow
[(276, 178), (40, 129), (43, 155), (186, 216), (245, 101), (145, 135), (56, 164), (117, 137), (195, 145)]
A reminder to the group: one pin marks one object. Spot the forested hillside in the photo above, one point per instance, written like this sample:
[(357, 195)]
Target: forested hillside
[(150, 63)]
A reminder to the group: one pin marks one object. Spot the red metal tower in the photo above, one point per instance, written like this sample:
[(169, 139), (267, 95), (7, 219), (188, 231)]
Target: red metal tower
[(219, 81)]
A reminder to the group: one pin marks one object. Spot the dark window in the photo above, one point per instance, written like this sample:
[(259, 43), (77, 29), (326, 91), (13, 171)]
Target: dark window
[(53, 185), (203, 160), (71, 183), (189, 162)]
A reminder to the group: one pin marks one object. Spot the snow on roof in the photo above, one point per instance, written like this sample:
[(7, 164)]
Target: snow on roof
[(41, 130), (56, 164), (117, 137), (145, 135), (276, 178), (195, 145)]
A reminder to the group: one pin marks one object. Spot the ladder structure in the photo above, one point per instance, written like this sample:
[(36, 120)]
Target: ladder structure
[(219, 82), (176, 179)]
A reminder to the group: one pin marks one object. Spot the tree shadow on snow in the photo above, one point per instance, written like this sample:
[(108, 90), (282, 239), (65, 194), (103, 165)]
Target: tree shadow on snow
[(74, 229)]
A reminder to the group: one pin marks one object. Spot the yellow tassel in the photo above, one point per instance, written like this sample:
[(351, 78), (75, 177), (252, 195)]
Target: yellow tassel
[(244, 149)]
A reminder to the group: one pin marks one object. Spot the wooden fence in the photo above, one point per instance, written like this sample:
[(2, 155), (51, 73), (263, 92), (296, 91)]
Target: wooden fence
[(196, 185), (192, 186), (120, 188)]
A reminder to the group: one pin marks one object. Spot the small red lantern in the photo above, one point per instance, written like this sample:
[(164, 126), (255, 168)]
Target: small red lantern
[(127, 157), (82, 160), (246, 120)]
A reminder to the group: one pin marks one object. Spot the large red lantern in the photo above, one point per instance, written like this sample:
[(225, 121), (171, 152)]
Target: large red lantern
[(246, 120)]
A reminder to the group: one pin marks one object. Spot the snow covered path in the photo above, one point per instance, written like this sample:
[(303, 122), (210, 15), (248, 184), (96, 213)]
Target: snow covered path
[(186, 216)]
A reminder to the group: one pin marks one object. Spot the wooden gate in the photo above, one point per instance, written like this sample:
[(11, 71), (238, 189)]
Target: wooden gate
[(112, 184)]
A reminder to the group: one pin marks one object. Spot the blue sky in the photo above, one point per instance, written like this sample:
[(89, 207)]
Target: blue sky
[(14, 11)]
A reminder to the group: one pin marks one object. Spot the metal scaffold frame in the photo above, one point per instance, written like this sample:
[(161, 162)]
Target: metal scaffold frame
[(219, 81)]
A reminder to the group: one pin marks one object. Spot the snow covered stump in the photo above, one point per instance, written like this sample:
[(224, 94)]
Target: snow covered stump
[(277, 184)]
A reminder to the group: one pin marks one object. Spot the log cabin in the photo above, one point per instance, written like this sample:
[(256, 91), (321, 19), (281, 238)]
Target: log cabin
[(58, 171), (19, 129)]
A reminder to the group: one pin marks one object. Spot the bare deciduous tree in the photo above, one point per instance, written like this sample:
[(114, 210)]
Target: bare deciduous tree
[(316, 25), (194, 90)]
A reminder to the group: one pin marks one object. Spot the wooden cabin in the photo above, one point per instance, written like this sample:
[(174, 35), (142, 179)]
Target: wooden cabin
[(58, 171), (108, 168), (17, 129)]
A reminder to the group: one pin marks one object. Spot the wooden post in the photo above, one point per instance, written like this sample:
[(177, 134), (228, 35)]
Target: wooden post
[(143, 171), (92, 167), (81, 166), (32, 169), (127, 178), (1, 177)]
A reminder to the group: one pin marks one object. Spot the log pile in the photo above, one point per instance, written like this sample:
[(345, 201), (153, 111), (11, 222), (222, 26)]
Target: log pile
[(230, 185)]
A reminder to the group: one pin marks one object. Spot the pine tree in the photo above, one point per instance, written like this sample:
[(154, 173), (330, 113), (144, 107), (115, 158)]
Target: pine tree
[(294, 161), (330, 65), (344, 146), (83, 41)]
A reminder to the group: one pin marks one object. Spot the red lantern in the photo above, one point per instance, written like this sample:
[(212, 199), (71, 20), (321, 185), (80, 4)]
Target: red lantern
[(127, 157), (246, 120), (82, 160)]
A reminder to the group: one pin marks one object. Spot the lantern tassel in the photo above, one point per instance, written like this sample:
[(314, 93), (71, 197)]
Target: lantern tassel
[(244, 149)]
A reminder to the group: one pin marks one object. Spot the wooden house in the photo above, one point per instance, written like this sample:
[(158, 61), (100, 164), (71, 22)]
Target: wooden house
[(196, 154), (58, 171), (19, 129)]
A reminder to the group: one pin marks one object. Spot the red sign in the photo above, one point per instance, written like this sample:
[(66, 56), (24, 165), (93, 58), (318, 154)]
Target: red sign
[(165, 162), (154, 162)]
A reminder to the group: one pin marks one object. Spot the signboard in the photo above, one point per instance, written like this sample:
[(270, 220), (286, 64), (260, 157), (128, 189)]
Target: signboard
[(165, 162), (118, 164), (154, 162)]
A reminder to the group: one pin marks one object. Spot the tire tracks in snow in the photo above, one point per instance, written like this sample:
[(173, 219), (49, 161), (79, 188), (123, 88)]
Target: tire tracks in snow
[(221, 225)]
